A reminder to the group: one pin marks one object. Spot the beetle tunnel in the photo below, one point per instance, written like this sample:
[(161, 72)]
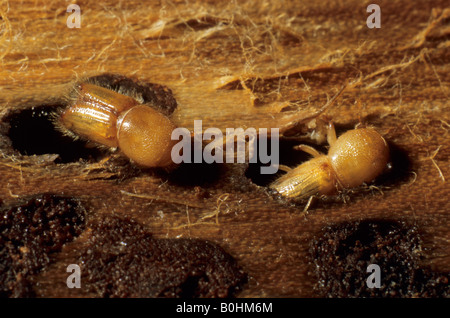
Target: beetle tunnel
[(32, 132)]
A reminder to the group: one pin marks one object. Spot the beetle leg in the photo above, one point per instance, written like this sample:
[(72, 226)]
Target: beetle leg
[(331, 134), (305, 210), (308, 149), (284, 168)]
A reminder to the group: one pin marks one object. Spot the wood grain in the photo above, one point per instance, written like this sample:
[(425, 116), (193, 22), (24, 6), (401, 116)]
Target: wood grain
[(242, 64)]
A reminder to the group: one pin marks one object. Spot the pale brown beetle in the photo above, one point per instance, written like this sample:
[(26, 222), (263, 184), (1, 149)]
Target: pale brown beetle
[(111, 119), (356, 157)]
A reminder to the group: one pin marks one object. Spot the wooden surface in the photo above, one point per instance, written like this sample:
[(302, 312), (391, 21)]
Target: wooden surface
[(243, 64)]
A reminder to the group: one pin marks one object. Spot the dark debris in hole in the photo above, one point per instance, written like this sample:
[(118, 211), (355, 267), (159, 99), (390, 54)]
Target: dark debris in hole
[(340, 257), (122, 259), (30, 233)]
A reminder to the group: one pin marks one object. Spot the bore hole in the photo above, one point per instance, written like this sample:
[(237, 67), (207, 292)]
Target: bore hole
[(159, 96), (32, 132), (400, 170), (195, 174), (287, 156)]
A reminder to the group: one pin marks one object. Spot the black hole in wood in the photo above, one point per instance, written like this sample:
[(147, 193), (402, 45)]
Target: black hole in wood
[(287, 156), (32, 132)]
